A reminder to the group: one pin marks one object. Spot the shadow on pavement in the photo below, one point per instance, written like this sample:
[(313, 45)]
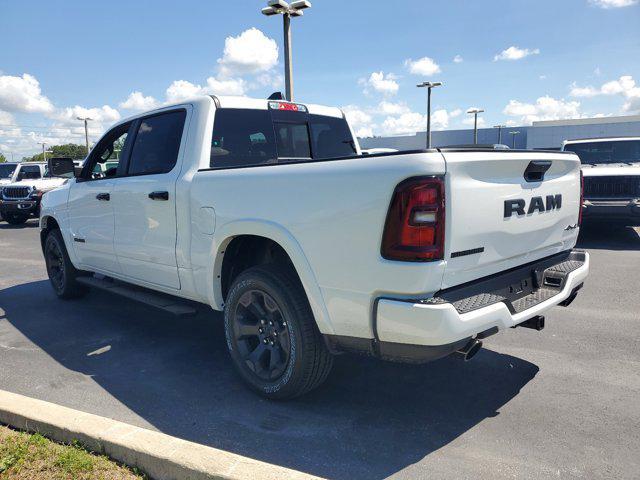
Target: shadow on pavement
[(609, 237), (370, 420), (32, 223)]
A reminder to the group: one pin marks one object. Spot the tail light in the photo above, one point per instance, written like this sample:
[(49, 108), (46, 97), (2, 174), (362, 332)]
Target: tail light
[(581, 206), (414, 230)]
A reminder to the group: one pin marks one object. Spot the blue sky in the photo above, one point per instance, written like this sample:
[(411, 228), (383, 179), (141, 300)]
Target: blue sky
[(520, 60)]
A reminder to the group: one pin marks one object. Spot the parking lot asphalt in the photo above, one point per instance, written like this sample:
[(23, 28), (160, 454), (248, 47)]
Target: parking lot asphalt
[(561, 403)]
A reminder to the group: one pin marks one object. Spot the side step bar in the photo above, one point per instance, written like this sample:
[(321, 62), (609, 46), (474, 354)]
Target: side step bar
[(143, 295)]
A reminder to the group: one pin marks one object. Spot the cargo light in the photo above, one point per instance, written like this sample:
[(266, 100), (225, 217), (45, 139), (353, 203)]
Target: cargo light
[(286, 106), (414, 230)]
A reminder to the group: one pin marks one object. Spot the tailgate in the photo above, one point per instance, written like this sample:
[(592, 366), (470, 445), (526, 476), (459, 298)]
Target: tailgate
[(497, 220)]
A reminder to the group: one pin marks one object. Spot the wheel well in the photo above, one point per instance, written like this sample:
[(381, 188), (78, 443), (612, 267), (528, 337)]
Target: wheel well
[(50, 224), (246, 251)]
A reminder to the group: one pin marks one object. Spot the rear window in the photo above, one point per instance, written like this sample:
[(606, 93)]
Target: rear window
[(246, 137), (620, 151)]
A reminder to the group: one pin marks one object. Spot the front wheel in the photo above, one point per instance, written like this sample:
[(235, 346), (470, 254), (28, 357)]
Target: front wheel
[(272, 336), (15, 219), (62, 273)]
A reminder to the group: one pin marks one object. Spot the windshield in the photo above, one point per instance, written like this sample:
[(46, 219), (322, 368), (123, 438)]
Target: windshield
[(7, 170), (616, 151)]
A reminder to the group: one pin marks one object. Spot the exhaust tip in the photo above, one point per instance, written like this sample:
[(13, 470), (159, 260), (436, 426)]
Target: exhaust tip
[(470, 350)]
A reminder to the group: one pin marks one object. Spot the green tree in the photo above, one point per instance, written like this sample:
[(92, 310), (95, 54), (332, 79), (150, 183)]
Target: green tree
[(2, 158), (77, 152)]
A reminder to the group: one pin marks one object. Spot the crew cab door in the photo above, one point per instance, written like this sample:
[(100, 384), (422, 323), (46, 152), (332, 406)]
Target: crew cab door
[(144, 200), (90, 204)]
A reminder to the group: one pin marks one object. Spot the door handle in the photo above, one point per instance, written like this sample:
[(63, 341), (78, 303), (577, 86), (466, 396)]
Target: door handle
[(104, 197), (159, 195)]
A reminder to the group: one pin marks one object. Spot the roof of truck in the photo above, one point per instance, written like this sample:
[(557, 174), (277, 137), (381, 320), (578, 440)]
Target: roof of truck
[(231, 101)]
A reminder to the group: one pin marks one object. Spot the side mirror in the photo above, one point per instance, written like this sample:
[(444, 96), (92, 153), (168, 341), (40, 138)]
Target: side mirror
[(61, 167)]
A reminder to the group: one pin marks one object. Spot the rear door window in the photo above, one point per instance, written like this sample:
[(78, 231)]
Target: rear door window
[(242, 137), (250, 137), (157, 143)]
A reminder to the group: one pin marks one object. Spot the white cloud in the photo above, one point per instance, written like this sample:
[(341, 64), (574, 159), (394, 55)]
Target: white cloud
[(381, 83), (181, 89), (357, 118), (458, 59), (138, 102), (455, 113), (515, 53), (577, 91), (5, 119), (470, 121), (104, 114), (424, 66), (542, 77), (391, 108), (545, 108), (22, 94), (411, 122), (624, 86), (606, 4), (230, 86), (250, 52)]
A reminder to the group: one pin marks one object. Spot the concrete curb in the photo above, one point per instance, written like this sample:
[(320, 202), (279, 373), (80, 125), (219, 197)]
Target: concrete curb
[(160, 456)]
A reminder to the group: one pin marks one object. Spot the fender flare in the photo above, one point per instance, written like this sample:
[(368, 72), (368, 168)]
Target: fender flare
[(279, 234)]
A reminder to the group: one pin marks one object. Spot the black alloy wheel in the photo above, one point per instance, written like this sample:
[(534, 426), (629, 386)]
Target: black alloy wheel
[(261, 335)]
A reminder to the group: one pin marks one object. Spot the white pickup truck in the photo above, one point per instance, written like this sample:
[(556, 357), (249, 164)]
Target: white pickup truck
[(268, 211), (611, 168), (21, 188)]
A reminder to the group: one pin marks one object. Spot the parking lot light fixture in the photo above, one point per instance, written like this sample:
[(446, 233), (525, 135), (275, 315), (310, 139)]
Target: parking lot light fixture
[(475, 112), (287, 10), (513, 138), (499, 127), (429, 86)]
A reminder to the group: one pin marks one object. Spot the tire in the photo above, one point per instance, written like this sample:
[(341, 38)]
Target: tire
[(62, 274), (15, 219), (270, 298)]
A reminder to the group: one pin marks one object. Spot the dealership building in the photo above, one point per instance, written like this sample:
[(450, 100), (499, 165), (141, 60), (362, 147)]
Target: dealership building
[(547, 135)]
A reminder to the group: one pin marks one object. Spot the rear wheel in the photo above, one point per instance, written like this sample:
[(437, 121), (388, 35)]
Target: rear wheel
[(272, 336), (62, 273), (15, 219)]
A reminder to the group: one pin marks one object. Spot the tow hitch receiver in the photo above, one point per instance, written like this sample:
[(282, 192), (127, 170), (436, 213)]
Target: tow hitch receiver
[(536, 323)]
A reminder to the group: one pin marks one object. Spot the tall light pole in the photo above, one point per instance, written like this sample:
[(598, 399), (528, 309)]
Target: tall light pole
[(287, 10), (475, 112), (86, 130), (499, 127), (513, 138), (429, 86), (44, 152)]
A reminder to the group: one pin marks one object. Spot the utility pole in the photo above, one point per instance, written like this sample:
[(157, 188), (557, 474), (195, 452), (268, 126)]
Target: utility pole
[(513, 138), (44, 152), (294, 9), (499, 127), (429, 86), (475, 112), (86, 130)]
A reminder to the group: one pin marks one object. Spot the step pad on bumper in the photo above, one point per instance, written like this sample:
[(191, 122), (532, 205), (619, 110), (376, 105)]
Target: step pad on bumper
[(519, 289)]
